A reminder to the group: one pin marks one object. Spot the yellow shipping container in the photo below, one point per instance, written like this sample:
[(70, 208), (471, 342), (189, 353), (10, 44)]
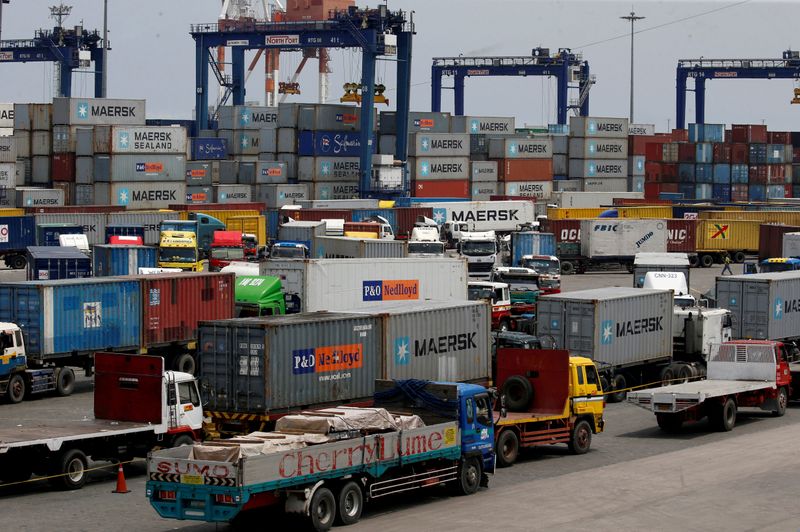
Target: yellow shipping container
[(222, 216), (764, 217), (12, 212), (254, 225), (647, 212), (728, 235), (573, 214)]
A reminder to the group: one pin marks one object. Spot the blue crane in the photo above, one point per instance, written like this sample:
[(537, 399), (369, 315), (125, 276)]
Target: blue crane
[(702, 70), (569, 69), (71, 48), (377, 32)]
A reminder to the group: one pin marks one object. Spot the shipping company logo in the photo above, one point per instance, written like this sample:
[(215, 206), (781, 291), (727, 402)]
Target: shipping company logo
[(394, 290), (592, 147), (718, 231), (325, 193), (123, 197), (592, 169), (485, 215), (726, 74), (424, 168), (223, 196), (621, 329), (282, 40), (347, 118), (733, 302), (245, 142), (474, 126), (327, 359), (325, 168), (439, 215), (778, 313), (3, 233), (605, 227), (639, 164), (244, 118), (512, 148), (6, 56), (325, 143), (425, 144), (281, 195), (512, 189), (150, 167), (607, 332), (424, 123), (592, 127), (401, 352), (196, 197), (273, 172), (123, 139), (83, 110)]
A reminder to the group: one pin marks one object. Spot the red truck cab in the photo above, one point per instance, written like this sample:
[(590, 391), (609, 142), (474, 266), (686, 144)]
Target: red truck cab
[(225, 247)]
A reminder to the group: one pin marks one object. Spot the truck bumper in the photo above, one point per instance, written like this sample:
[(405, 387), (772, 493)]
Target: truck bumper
[(194, 503)]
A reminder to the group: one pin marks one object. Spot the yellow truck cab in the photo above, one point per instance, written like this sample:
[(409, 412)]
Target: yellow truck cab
[(548, 397), (178, 249)]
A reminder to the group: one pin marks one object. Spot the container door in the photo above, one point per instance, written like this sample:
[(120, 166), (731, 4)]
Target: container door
[(756, 311), (579, 328), (729, 295)]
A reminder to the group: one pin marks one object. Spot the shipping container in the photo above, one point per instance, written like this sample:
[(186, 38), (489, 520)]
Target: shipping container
[(482, 125), (660, 262), (97, 111), (594, 148), (268, 142), (728, 235), (204, 149), (306, 232), (328, 169), (62, 167), (149, 140), (248, 117), (41, 116), (771, 240), (606, 184), (199, 195), (241, 142), (525, 169), (528, 189), (438, 168), (38, 197), (55, 262), (327, 143), (141, 195), (531, 243), (93, 225), (335, 190), (439, 145), (329, 117), (140, 168), (150, 221), (7, 115), (521, 148), (198, 173), (484, 190), (417, 121), (609, 238), (790, 245), (270, 172), (681, 235), (592, 200), (763, 306), (617, 327), (8, 150), (253, 225), (22, 117), (581, 126), (113, 260), (447, 188), (279, 195), (591, 168), (641, 129), (348, 284), (232, 193), (334, 247)]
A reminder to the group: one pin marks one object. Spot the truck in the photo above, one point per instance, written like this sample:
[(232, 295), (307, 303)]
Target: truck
[(506, 316), (372, 225), (779, 264), (659, 262), (615, 242), (444, 439), (178, 249), (288, 249), (717, 239), (202, 225), (548, 267), (137, 407), (480, 251), (675, 281), (259, 296), (228, 246), (524, 243), (424, 242), (21, 233), (550, 398), (741, 374), (523, 283), (498, 216)]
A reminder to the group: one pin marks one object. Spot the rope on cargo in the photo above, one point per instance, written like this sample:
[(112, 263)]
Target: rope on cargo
[(39, 479)]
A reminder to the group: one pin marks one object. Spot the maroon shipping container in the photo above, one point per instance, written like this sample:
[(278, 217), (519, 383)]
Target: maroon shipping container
[(796, 155), (739, 153), (62, 166), (654, 151), (652, 190), (770, 239), (788, 191), (740, 192), (687, 152), (203, 207), (681, 235), (680, 135), (652, 172), (568, 231), (72, 209), (758, 174), (317, 215), (406, 217), (173, 304), (752, 133), (776, 174), (637, 144), (722, 153), (779, 137)]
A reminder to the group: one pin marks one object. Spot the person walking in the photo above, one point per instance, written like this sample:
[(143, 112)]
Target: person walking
[(727, 267)]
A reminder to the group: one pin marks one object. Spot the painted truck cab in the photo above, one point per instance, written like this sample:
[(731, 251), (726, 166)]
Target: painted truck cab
[(477, 426)]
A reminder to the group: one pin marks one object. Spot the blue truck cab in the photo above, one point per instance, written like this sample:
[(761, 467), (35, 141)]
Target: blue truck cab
[(420, 434), (290, 249), (779, 264), (202, 225)]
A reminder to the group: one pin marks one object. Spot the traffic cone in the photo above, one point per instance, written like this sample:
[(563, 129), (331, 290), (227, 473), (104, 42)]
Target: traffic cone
[(122, 486)]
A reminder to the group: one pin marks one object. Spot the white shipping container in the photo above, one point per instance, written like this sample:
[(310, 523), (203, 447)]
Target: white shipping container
[(504, 216), (41, 143), (791, 244), (233, 193), (591, 200), (335, 190), (484, 190), (328, 168), (8, 150), (521, 148), (350, 284), (529, 189), (39, 197), (141, 195), (602, 148), (275, 196), (22, 139), (149, 139), (8, 175), (439, 145), (641, 129), (98, 111), (568, 185), (438, 168), (287, 140), (609, 237), (241, 142), (589, 168), (606, 184), (595, 126), (93, 224), (636, 165), (7, 115), (482, 125), (248, 117), (483, 171), (6, 131)]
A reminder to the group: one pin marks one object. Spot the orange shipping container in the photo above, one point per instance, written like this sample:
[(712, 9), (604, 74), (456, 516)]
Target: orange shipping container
[(449, 188), (525, 169)]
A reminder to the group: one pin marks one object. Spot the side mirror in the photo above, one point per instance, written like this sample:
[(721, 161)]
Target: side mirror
[(503, 412)]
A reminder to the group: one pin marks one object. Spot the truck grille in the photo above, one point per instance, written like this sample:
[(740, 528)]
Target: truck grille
[(480, 267)]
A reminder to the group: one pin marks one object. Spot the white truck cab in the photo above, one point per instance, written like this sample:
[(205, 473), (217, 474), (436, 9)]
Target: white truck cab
[(674, 281), (452, 231), (424, 242), (549, 269), (480, 250)]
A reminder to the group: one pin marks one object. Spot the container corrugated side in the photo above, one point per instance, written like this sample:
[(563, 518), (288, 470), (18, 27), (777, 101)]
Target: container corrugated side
[(531, 243), (778, 217), (763, 306), (332, 247), (609, 237), (112, 260), (149, 220), (260, 365), (728, 235), (93, 224), (60, 317)]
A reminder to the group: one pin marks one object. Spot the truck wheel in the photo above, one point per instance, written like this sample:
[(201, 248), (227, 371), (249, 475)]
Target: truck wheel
[(182, 440), (669, 422), (507, 448), (706, 261), (667, 376), (738, 257), (72, 470), (469, 476), (17, 262), (185, 363), (351, 504), (65, 382), (322, 510), (694, 262), (619, 383), (727, 416), (687, 373), (16, 388), (567, 268), (781, 400), (518, 392), (581, 438), (605, 385), (505, 325)]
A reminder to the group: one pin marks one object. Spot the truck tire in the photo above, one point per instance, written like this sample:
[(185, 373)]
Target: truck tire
[(694, 262), (618, 383), (65, 381), (16, 262), (687, 373), (581, 438), (322, 509), (185, 363), (706, 261), (16, 388), (567, 268), (781, 401), (667, 376), (605, 385), (71, 466), (726, 416), (350, 504), (518, 392), (507, 448), (738, 257), (182, 440), (505, 325), (669, 422), (469, 476)]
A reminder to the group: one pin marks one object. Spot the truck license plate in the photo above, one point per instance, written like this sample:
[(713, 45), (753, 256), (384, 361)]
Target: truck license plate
[(191, 479), (663, 407)]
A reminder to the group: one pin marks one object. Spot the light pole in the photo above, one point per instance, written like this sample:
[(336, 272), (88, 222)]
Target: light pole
[(632, 18), (105, 50)]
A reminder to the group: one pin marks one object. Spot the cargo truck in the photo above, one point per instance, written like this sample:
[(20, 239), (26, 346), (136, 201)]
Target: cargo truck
[(445, 439), (178, 249), (259, 296), (228, 246), (424, 242), (548, 267), (506, 315), (288, 249), (659, 262), (498, 216), (16, 234), (523, 283), (717, 239), (480, 251), (137, 407), (202, 225), (741, 374), (608, 241), (551, 398)]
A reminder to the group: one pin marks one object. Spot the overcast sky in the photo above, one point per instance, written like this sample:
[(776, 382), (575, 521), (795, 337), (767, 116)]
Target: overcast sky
[(153, 55)]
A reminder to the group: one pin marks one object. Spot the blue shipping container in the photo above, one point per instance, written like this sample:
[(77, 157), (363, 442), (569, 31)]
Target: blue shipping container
[(686, 172), (123, 260), (706, 132), (17, 232), (531, 243), (124, 230), (758, 154), (687, 189), (776, 153), (47, 234), (740, 174), (704, 152), (722, 174), (329, 143), (54, 262), (704, 173), (59, 317), (703, 192), (207, 149), (776, 191), (757, 192), (722, 192)]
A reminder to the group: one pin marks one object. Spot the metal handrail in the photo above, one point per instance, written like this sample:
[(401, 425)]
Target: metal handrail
[(737, 63)]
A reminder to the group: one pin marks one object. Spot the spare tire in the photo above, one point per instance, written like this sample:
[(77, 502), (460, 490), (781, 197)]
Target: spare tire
[(518, 392)]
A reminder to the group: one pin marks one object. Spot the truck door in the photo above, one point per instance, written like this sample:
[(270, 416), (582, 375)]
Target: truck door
[(190, 409), (587, 394), (476, 424)]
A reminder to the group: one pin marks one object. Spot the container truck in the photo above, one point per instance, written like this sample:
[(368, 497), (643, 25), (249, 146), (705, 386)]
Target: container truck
[(717, 239), (480, 251), (288, 249), (178, 249), (137, 407), (531, 243), (659, 262), (336, 247), (548, 267), (741, 374), (498, 216), (348, 284), (202, 225), (443, 440), (506, 316), (523, 283), (259, 296), (228, 246), (609, 241), (424, 242), (17, 233)]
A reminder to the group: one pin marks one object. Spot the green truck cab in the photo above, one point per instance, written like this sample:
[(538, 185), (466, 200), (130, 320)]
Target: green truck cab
[(259, 296)]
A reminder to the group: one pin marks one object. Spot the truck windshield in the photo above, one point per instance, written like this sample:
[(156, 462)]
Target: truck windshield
[(542, 265), (246, 310), (773, 267), (517, 281), (177, 254), (478, 248), (436, 248), (480, 293), (483, 409), (280, 252), (227, 253)]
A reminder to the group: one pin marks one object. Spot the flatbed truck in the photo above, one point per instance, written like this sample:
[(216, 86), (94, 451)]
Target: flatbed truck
[(137, 406), (741, 373)]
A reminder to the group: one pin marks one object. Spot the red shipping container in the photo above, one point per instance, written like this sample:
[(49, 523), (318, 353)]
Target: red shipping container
[(758, 174), (680, 135), (722, 153), (653, 190), (525, 169), (776, 174), (62, 166), (654, 151), (71, 209), (770, 239), (448, 188), (174, 303), (687, 152), (739, 153), (568, 231), (637, 144), (751, 133), (779, 137), (203, 207), (406, 217), (652, 172), (681, 235), (788, 191), (739, 192), (796, 155), (317, 215)]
